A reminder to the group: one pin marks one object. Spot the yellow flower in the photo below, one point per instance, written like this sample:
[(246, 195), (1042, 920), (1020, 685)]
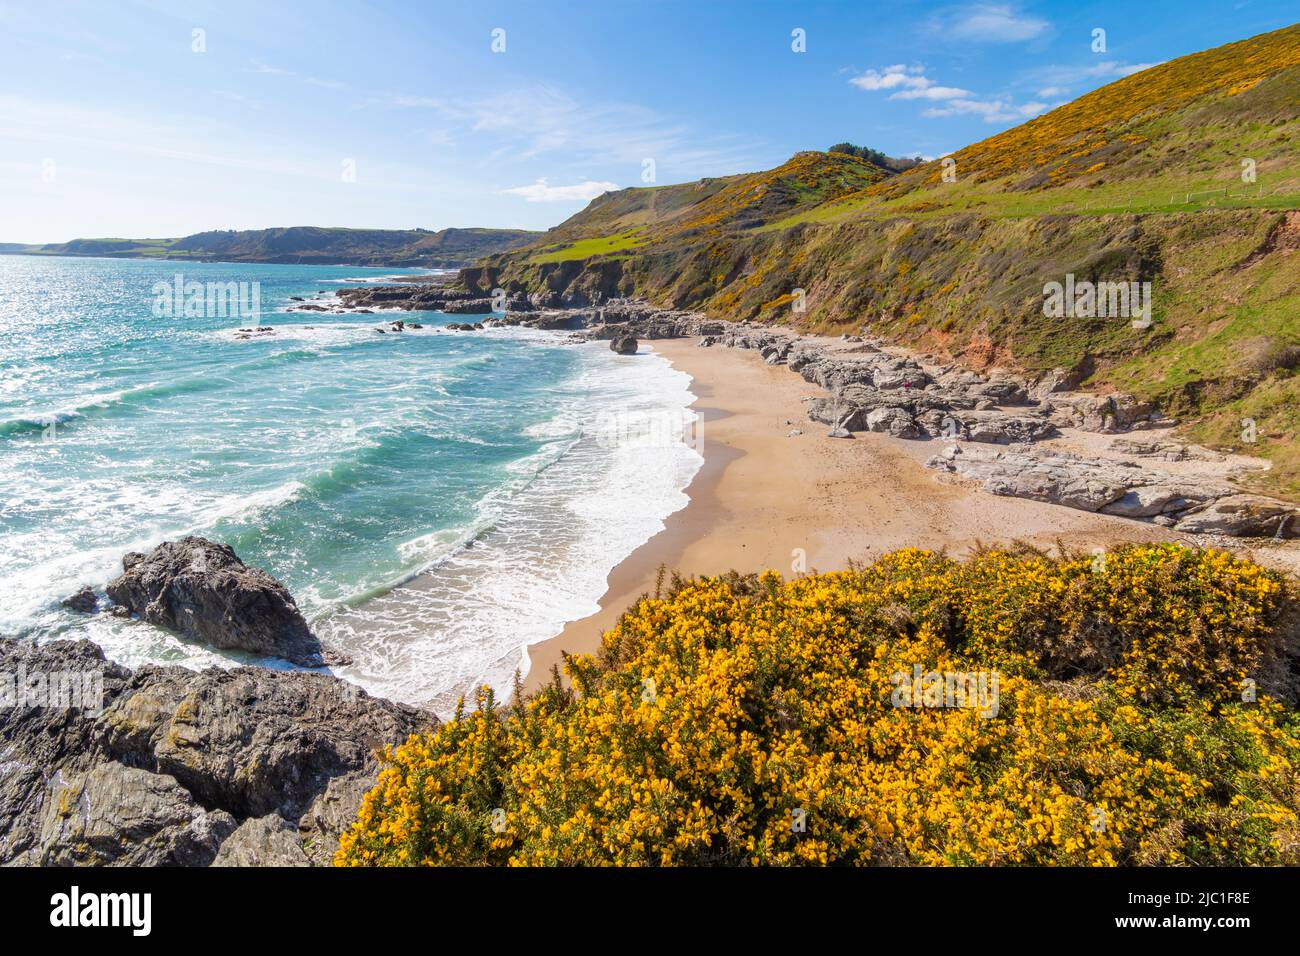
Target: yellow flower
[(777, 734)]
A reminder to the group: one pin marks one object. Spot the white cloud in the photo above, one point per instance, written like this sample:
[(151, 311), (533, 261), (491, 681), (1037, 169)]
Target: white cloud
[(892, 77), (992, 111), (527, 122), (404, 101), (932, 93), (1131, 68), (234, 97), (267, 69), (260, 67), (993, 23), (908, 83), (542, 191), (911, 83), (55, 123), (1060, 79)]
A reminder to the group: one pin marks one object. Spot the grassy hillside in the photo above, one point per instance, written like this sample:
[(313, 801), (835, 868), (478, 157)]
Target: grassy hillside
[(630, 218), (1140, 180), (305, 244)]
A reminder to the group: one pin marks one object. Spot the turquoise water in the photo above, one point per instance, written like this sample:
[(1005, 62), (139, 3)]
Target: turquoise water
[(436, 501)]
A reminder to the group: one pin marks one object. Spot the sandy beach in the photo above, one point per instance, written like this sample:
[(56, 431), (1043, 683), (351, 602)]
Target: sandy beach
[(763, 497)]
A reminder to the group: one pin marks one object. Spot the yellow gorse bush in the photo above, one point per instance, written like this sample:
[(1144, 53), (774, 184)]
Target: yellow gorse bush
[(751, 720), (1056, 141)]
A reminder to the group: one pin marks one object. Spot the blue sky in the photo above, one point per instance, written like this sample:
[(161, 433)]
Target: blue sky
[(398, 115)]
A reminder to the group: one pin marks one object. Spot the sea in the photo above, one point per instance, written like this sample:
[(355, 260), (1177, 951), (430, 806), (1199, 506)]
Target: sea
[(436, 501)]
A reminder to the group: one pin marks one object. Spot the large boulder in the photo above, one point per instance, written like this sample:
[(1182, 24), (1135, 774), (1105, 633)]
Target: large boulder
[(41, 747), (1099, 413), (624, 344), (893, 421), (202, 589), (1243, 516), (1060, 380), (83, 601)]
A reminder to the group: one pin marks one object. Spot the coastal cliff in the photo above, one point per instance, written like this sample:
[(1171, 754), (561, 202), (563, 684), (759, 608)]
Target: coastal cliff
[(1182, 180)]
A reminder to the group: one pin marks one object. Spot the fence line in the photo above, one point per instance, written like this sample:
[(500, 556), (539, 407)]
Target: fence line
[(1290, 185)]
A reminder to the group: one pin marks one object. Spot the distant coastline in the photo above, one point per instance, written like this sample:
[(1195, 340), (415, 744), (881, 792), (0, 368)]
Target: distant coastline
[(299, 245)]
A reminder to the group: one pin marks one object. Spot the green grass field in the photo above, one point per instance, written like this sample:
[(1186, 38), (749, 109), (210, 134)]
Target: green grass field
[(586, 248)]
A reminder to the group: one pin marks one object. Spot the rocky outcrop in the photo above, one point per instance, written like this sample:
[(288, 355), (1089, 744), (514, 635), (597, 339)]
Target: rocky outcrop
[(410, 296), (1187, 503), (873, 390), (167, 766), (1102, 413), (864, 375), (202, 590), (1243, 516), (624, 344), (595, 316), (467, 307), (128, 817), (1163, 450)]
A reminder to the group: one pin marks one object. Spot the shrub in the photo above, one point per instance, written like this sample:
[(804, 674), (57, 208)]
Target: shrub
[(750, 720), (1264, 355)]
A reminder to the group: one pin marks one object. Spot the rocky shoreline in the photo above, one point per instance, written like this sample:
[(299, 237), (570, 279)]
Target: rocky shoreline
[(161, 766), (168, 766), (993, 426)]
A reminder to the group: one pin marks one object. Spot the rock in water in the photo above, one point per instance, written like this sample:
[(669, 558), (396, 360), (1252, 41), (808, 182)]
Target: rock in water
[(84, 601), (624, 344), (202, 589)]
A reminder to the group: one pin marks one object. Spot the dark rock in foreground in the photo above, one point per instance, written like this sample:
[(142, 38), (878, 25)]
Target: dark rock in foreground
[(167, 766), (624, 344), (202, 589)]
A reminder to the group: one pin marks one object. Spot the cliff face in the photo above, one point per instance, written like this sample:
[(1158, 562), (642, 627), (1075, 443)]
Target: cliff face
[(1183, 179)]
